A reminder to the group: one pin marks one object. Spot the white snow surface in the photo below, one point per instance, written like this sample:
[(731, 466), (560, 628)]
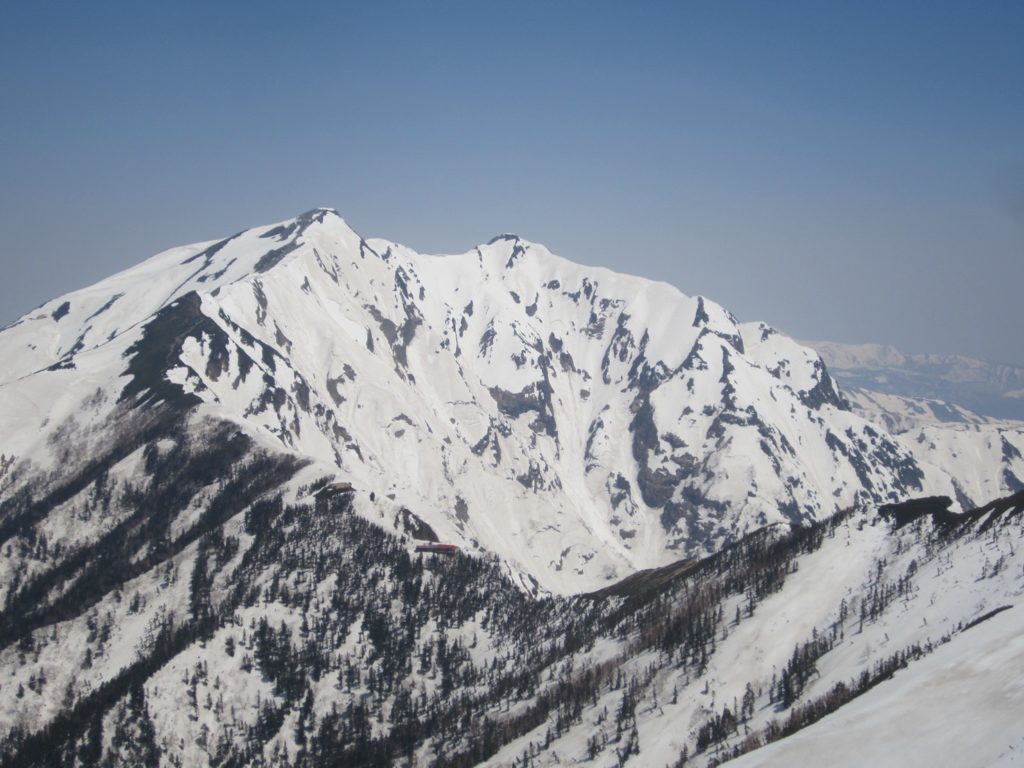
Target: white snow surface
[(959, 706)]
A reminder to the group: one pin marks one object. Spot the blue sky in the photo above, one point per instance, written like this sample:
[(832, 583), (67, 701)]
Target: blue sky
[(851, 171)]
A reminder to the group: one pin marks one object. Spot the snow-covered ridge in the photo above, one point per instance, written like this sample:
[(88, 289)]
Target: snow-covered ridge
[(579, 423), (901, 414), (91, 317)]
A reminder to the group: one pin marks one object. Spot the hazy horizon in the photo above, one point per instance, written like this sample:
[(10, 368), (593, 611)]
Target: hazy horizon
[(843, 173)]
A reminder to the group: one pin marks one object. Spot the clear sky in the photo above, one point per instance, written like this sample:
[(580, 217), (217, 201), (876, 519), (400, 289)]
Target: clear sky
[(848, 171)]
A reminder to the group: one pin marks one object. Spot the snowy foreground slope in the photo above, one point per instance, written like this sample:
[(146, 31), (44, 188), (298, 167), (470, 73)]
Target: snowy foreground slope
[(960, 706), (301, 634), (578, 423)]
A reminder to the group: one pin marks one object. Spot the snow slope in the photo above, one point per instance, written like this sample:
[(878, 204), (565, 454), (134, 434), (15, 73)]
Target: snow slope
[(902, 414), (305, 632), (960, 706)]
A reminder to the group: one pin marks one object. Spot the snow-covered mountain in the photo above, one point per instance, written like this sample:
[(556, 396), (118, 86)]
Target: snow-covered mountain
[(186, 580), (576, 422)]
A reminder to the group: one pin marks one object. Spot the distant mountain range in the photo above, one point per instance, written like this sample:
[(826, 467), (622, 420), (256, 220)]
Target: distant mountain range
[(993, 390)]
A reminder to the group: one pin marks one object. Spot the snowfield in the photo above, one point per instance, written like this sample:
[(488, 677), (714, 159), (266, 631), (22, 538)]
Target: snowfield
[(960, 706)]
